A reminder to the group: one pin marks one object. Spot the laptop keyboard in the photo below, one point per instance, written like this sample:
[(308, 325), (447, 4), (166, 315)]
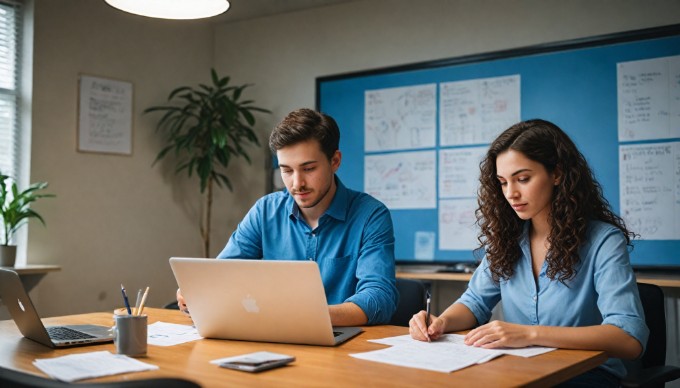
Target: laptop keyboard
[(64, 333)]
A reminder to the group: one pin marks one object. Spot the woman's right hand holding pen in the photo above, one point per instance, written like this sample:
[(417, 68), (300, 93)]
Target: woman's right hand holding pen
[(421, 332)]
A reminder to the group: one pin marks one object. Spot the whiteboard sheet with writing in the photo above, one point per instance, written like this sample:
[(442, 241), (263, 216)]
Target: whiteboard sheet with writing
[(649, 99), (649, 180), (400, 118), (404, 180), (459, 171), (105, 115), (457, 229), (476, 111)]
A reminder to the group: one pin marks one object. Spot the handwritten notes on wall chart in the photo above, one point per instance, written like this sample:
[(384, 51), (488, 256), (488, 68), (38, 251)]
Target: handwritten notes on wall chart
[(105, 115), (649, 173), (402, 166), (423, 144)]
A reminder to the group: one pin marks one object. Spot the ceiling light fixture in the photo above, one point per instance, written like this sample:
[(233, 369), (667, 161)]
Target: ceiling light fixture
[(172, 9)]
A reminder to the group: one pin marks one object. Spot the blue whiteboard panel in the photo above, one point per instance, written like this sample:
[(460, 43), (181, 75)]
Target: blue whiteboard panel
[(573, 84)]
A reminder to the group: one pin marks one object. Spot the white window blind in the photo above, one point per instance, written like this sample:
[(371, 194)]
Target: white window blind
[(10, 44)]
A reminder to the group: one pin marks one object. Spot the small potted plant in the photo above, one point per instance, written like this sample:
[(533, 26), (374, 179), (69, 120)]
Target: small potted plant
[(15, 212)]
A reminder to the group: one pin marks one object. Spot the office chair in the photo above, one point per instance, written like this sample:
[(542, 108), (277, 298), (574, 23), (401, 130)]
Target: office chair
[(650, 369), (411, 300), (172, 306), (16, 379)]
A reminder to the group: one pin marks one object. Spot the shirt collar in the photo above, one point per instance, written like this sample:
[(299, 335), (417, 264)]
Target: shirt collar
[(337, 209)]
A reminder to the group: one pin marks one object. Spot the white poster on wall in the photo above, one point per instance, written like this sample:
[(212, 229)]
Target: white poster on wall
[(649, 99), (459, 171), (649, 183), (403, 180), (457, 229), (105, 115), (400, 118), (476, 111)]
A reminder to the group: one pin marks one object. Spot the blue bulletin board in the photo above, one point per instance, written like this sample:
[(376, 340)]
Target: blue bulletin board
[(617, 96)]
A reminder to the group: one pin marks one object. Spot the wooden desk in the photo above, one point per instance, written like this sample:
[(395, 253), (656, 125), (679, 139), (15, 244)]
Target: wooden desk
[(315, 365)]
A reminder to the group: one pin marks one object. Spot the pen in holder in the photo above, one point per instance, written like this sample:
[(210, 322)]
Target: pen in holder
[(130, 334)]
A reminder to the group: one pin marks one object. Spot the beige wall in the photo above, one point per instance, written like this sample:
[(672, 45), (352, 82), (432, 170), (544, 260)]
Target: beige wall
[(116, 219), (284, 54)]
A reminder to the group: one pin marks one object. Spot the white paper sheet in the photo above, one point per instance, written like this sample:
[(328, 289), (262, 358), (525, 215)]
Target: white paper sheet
[(168, 334), (648, 96), (402, 118), (402, 180), (447, 354), (475, 111), (649, 183), (90, 365), (457, 222)]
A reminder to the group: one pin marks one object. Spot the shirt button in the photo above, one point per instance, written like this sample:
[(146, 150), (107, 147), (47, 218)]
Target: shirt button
[(535, 297), (309, 258)]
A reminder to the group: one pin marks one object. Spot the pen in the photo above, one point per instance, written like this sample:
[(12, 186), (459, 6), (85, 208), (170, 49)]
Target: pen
[(125, 299), (427, 311), (141, 305)]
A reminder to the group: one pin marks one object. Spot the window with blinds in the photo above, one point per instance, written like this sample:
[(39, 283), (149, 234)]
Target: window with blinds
[(10, 44)]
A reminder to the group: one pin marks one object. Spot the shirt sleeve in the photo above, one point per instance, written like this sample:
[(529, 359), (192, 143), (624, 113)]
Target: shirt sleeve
[(482, 294), (616, 286), (376, 292), (246, 241)]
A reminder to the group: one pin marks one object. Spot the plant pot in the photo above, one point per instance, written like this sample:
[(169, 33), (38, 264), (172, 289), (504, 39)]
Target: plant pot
[(8, 255)]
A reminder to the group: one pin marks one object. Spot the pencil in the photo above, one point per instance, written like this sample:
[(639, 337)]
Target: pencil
[(138, 300), (141, 305)]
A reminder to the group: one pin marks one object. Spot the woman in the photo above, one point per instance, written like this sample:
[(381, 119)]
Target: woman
[(555, 253)]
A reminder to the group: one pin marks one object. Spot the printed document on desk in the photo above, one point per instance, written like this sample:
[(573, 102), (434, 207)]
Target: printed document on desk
[(89, 365), (447, 354), (168, 334)]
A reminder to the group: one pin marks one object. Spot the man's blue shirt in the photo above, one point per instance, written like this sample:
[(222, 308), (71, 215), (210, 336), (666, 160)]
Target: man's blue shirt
[(353, 246), (603, 292)]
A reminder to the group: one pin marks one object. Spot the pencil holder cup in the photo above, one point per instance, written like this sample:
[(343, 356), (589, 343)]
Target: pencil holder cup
[(129, 334)]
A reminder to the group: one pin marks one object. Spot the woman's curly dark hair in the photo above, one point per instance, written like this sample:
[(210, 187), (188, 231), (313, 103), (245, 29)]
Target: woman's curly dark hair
[(576, 200)]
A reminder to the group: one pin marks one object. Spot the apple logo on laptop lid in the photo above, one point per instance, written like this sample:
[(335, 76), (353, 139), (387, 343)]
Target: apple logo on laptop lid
[(250, 304)]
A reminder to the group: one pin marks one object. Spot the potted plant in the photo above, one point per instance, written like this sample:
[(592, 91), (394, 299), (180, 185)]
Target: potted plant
[(15, 212), (207, 127)]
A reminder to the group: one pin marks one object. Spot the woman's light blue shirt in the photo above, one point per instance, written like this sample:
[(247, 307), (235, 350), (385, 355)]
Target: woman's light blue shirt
[(353, 246), (604, 291)]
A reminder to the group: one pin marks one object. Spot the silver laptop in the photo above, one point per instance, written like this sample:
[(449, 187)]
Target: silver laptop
[(25, 316), (258, 300)]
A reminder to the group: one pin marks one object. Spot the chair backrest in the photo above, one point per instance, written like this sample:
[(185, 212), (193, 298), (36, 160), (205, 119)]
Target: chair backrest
[(411, 300), (16, 379), (655, 316)]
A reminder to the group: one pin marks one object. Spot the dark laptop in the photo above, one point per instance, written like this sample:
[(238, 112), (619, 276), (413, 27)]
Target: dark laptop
[(25, 316)]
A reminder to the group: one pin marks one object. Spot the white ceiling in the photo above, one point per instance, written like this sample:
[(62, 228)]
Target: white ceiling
[(250, 9)]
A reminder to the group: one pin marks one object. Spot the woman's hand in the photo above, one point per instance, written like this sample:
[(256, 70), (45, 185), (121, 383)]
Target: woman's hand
[(499, 334), (181, 303), (419, 331)]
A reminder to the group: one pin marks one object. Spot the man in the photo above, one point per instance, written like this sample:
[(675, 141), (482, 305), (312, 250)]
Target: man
[(349, 234)]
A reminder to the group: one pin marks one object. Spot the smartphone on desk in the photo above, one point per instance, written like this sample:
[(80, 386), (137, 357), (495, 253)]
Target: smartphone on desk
[(255, 362)]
